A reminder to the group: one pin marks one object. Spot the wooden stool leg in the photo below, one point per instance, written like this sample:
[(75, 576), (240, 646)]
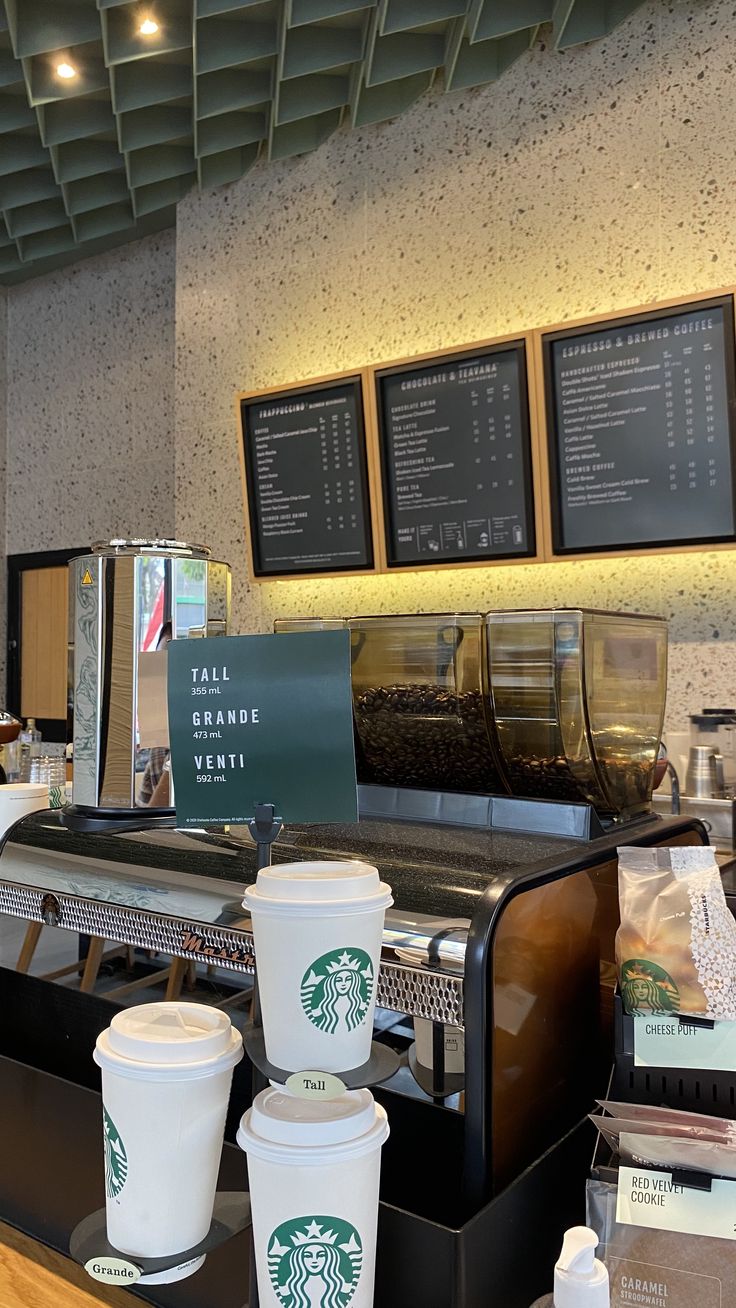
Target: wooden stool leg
[(191, 978), (176, 977), (28, 948), (92, 964)]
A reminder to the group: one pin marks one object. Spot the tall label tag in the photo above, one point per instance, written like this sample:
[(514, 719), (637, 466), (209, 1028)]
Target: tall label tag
[(315, 1085)]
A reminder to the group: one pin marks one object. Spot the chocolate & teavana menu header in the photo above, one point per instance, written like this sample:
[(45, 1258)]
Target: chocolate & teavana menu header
[(598, 436)]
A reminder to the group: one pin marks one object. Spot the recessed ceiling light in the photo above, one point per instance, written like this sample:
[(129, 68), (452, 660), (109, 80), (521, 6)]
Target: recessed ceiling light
[(148, 27), (66, 70)]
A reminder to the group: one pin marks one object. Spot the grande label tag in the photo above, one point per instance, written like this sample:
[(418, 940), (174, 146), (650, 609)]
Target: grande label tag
[(112, 1271), (315, 1085)]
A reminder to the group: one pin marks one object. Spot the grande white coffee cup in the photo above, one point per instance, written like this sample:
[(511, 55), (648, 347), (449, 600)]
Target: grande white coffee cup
[(18, 799), (318, 930), (313, 1170), (166, 1075)]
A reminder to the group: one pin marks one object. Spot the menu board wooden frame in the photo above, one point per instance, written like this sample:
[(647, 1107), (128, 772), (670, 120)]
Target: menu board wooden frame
[(544, 410), (372, 494), (536, 466)]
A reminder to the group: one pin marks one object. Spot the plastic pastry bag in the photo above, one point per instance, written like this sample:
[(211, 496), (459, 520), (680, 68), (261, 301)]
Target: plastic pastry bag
[(671, 1118), (611, 1127), (676, 946), (659, 1269), (673, 1153)]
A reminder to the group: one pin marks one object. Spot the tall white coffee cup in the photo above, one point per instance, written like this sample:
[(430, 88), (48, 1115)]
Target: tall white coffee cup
[(313, 1169), (318, 930), (166, 1075), (18, 799)]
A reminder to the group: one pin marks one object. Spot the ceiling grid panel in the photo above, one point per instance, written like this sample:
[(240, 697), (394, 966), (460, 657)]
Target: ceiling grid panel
[(111, 110)]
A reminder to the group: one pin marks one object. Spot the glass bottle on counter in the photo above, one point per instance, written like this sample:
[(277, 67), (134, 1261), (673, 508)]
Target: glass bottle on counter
[(30, 747)]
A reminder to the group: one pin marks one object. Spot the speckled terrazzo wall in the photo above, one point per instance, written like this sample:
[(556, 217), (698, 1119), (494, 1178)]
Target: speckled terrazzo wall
[(594, 180), (90, 403)]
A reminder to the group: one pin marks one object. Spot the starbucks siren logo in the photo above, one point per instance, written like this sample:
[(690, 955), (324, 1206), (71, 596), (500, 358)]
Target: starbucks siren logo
[(337, 990), (116, 1159), (315, 1262), (647, 988)]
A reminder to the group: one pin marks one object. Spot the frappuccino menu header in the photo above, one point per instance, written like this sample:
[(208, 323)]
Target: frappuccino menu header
[(640, 416), (600, 436), (307, 482)]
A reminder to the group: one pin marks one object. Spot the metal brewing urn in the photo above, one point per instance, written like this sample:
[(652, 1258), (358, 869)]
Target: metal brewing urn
[(127, 600)]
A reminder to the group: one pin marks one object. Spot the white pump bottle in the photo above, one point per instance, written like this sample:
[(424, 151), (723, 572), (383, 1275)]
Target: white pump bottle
[(581, 1280)]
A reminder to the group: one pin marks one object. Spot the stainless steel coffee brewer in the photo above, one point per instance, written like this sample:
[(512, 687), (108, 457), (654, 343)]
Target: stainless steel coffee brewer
[(128, 598)]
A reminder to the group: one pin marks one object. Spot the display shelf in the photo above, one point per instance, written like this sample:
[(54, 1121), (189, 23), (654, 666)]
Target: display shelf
[(402, 54), (153, 81), (68, 120), (220, 42), (38, 28), (158, 163), (51, 1179), (123, 42), (154, 125), (229, 131), (35, 184), (45, 87), (102, 221), (317, 48), (42, 244), (85, 158), (227, 165), (313, 11), (39, 216), (95, 192), (371, 104), (15, 112), (315, 93)]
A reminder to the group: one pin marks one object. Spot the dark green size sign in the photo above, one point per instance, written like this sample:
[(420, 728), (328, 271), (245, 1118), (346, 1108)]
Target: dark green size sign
[(262, 720)]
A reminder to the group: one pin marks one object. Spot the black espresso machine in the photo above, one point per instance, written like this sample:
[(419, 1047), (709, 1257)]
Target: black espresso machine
[(503, 760)]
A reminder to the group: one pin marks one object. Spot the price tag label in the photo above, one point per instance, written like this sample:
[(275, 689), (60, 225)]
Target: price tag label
[(315, 1085), (651, 1199), (667, 1042)]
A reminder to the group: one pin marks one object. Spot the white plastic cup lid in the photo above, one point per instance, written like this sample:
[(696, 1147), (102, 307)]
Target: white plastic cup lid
[(173, 1033), (20, 791), (282, 1118), (319, 881)]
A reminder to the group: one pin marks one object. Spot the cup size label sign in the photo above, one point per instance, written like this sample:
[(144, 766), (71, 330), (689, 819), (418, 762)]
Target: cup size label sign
[(315, 1085), (262, 720), (668, 1042), (652, 1199), (112, 1271)]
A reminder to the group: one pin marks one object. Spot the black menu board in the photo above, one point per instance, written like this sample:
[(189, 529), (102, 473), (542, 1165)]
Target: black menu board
[(307, 480), (640, 420), (456, 458)]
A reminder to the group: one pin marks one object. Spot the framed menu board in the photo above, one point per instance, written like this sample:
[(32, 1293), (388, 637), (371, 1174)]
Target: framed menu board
[(640, 414), (456, 458), (306, 479)]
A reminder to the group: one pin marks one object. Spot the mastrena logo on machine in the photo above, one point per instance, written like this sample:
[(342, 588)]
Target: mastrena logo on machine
[(116, 1159), (337, 989), (315, 1262)]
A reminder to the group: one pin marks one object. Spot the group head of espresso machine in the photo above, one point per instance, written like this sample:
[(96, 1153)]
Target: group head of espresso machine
[(502, 758)]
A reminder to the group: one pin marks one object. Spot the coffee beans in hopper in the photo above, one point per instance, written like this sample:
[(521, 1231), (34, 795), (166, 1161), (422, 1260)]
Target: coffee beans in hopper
[(428, 737)]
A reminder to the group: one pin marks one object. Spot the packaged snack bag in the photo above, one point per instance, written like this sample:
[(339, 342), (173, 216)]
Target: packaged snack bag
[(676, 946)]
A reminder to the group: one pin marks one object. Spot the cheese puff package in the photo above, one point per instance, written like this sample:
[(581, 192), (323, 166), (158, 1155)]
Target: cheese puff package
[(676, 946)]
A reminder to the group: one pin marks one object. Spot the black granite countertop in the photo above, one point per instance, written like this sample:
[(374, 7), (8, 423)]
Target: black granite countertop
[(432, 868)]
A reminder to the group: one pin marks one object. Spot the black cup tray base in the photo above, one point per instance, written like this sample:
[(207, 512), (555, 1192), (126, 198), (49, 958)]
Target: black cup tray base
[(381, 1066), (231, 1215), (453, 1083)]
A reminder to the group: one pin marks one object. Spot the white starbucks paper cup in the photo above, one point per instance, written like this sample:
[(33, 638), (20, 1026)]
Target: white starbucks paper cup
[(318, 931), (166, 1075), (18, 799), (313, 1169)]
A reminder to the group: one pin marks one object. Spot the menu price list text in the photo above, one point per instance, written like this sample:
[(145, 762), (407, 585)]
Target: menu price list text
[(455, 441), (306, 462), (641, 432)]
